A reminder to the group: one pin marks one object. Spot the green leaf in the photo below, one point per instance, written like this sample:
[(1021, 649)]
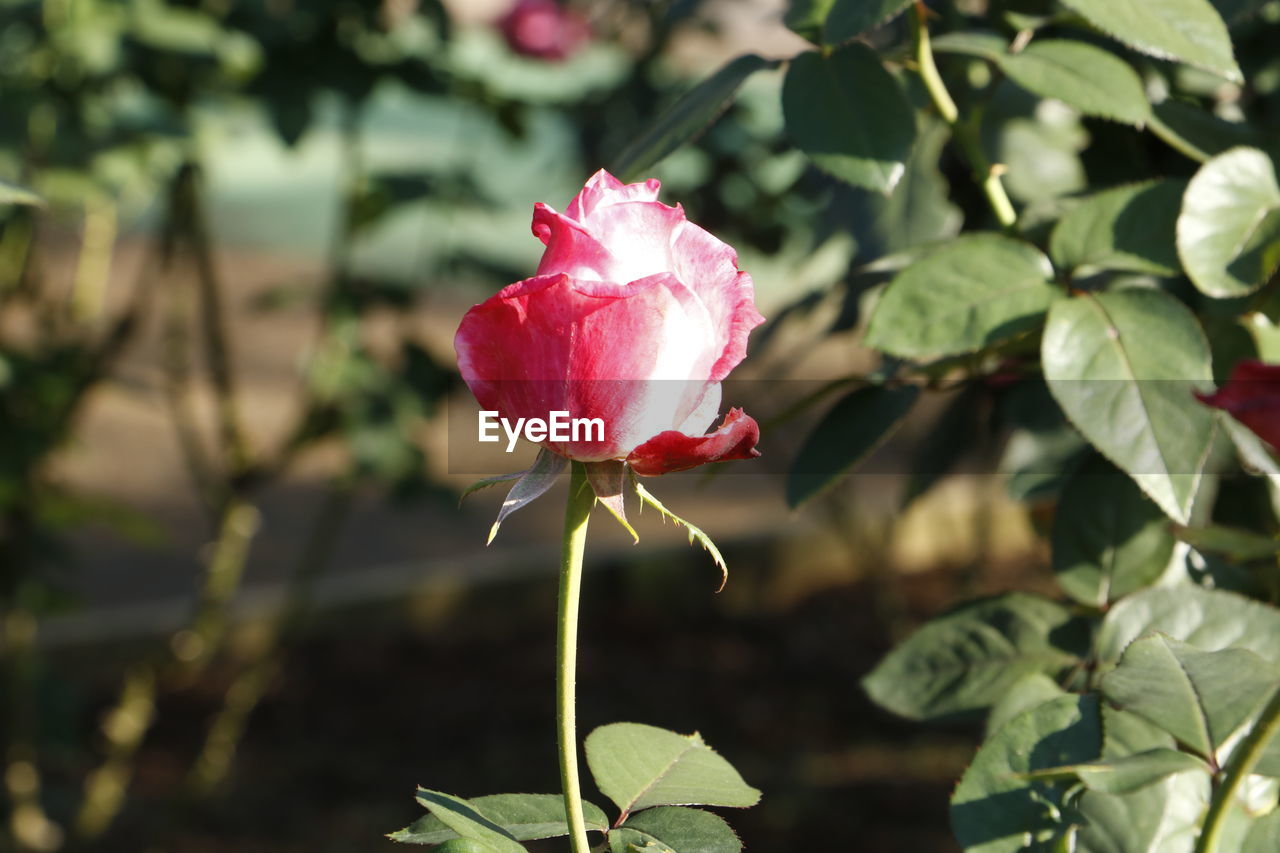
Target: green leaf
[(972, 43), (973, 292), (1122, 365), (1251, 450), (1207, 619), (1108, 539), (1264, 836), (1187, 31), (685, 830), (849, 115), (850, 18), (831, 22), (1229, 228), (1202, 698), (627, 840), (687, 117), (1023, 695), (1239, 545), (1198, 133), (524, 816), (920, 210), (638, 766), (1088, 78), (851, 430), (465, 845), (1126, 229), (14, 194), (808, 18), (969, 658), (995, 809), (462, 817), (1162, 816), (1129, 773)]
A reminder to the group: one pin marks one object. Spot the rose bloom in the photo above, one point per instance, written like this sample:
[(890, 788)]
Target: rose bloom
[(543, 29), (635, 316), (1251, 395)]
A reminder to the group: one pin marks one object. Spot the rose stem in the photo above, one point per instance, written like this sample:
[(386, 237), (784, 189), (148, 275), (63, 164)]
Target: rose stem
[(1243, 759), (966, 136), (577, 514)]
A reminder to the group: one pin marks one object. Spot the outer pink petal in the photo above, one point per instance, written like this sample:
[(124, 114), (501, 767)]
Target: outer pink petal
[(674, 451), (571, 249), (603, 189), (710, 268), (629, 354)]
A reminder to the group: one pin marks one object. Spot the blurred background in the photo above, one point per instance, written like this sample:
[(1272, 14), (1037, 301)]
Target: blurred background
[(241, 607)]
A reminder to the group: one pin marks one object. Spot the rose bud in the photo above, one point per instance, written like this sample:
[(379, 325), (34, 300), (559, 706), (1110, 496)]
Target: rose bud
[(543, 29), (634, 317), (1251, 395)]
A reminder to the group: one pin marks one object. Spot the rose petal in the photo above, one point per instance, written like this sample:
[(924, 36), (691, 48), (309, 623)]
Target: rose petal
[(638, 235), (635, 355), (1252, 396), (603, 189), (571, 249), (710, 268), (674, 451)]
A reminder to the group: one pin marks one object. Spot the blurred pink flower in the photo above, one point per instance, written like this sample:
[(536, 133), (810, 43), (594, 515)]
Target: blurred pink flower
[(544, 29), (635, 317)]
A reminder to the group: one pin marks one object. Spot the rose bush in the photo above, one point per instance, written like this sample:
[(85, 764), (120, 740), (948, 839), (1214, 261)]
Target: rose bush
[(635, 317), (543, 29)]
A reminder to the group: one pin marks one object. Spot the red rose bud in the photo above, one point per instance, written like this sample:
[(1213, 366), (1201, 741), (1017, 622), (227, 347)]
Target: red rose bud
[(1252, 396), (635, 317), (543, 29)]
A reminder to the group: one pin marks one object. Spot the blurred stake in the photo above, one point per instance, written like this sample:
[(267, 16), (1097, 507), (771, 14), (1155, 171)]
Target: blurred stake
[(29, 828), (97, 248), (221, 486), (252, 682), (188, 652)]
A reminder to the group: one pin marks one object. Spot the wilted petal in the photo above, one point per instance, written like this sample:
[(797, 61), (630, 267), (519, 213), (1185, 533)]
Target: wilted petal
[(671, 451)]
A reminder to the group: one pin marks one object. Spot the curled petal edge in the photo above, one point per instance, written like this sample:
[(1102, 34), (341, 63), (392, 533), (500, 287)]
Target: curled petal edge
[(669, 451)]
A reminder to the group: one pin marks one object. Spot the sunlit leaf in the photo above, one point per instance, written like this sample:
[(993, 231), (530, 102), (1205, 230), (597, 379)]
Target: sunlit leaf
[(682, 830), (638, 766), (1188, 31), (1204, 618), (1229, 227), (971, 293), (1123, 365), (1090, 79), (525, 816), (1202, 698)]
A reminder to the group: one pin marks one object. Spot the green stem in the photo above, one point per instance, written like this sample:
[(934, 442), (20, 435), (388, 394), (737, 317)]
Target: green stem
[(986, 176), (577, 514), (1241, 764)]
